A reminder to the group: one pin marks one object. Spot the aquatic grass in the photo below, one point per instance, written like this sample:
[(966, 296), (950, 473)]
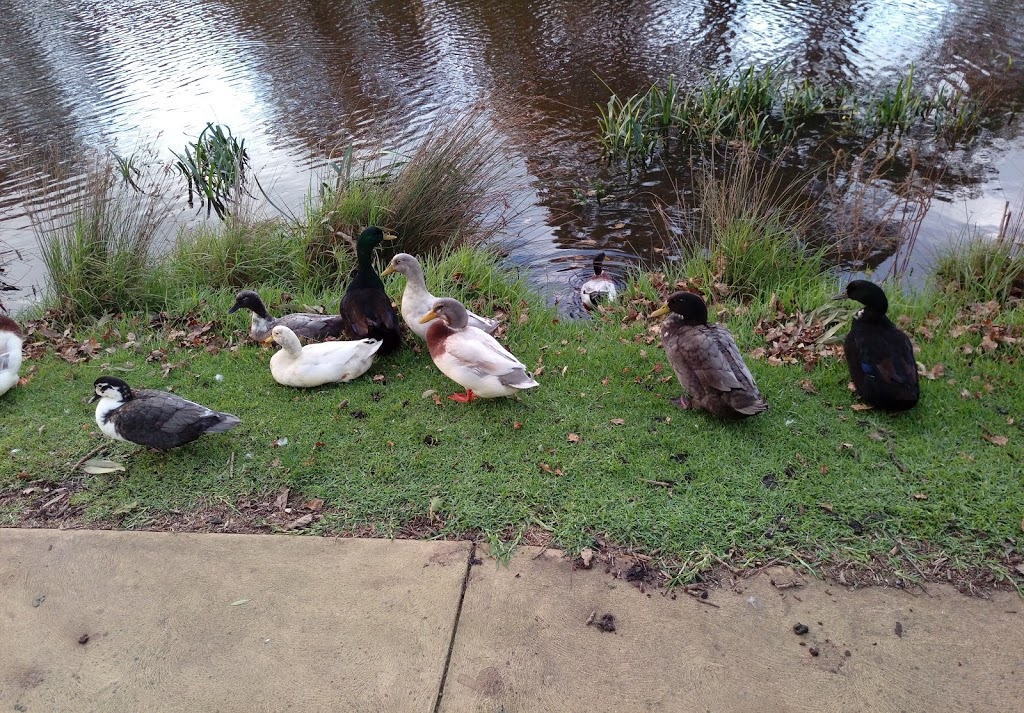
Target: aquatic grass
[(751, 233), (215, 168), (980, 268), (236, 252), (98, 250)]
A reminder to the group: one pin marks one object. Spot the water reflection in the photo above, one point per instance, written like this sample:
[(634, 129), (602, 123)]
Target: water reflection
[(302, 79)]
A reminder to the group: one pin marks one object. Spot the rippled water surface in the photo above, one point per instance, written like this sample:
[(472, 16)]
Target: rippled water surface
[(298, 80)]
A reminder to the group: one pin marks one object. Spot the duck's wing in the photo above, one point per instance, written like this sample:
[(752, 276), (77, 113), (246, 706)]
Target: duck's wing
[(485, 324), (733, 363), (479, 351), (161, 420), (368, 312), (884, 354), (312, 326)]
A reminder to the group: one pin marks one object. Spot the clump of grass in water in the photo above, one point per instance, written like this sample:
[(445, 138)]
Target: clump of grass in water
[(98, 251), (749, 235), (214, 167), (981, 269), (452, 189)]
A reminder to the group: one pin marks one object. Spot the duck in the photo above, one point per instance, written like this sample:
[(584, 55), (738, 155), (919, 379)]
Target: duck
[(366, 308), (707, 361), (154, 419), (319, 364), (308, 325), (471, 357), (10, 353), (417, 301), (879, 354), (599, 289)]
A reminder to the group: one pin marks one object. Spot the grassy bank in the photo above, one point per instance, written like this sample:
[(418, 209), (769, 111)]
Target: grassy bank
[(595, 456)]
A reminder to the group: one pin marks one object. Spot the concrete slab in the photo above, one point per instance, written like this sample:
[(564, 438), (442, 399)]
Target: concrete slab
[(523, 645), (179, 622)]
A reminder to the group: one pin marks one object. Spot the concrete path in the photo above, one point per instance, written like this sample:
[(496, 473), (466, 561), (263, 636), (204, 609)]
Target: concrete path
[(130, 621)]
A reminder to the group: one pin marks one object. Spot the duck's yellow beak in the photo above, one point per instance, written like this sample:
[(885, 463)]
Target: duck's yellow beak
[(661, 311), (390, 236), (388, 271), (428, 316), (268, 341)]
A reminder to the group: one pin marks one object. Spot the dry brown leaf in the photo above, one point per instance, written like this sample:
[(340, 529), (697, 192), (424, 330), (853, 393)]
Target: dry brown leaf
[(618, 421), (316, 504), (827, 507), (808, 386), (300, 522), (516, 425), (920, 496), (996, 440), (545, 468), (587, 557), (281, 501), (573, 438), (860, 407)]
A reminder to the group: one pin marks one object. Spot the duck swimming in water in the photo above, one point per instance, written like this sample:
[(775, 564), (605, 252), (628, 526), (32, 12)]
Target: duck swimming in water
[(599, 289), (471, 357), (706, 360), (154, 419), (10, 353), (879, 354), (417, 301), (366, 307), (308, 325)]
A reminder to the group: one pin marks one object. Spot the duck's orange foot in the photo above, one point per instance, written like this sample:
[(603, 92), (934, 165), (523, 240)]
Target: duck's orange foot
[(463, 398)]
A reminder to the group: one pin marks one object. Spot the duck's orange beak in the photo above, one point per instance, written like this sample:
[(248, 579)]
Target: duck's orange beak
[(428, 316)]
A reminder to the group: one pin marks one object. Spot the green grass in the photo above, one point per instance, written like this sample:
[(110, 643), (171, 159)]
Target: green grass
[(811, 480), (979, 269)]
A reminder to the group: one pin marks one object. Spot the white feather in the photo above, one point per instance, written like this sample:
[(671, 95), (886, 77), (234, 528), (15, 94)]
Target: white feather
[(10, 360)]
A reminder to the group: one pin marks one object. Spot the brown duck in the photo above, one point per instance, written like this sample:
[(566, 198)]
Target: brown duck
[(706, 361)]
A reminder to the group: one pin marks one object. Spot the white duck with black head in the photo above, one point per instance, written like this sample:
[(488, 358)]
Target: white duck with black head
[(307, 325), (154, 419), (10, 353), (599, 289), (417, 300)]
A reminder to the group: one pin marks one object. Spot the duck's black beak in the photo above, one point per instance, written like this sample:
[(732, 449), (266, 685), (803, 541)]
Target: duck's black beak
[(234, 307), (95, 398), (840, 296)]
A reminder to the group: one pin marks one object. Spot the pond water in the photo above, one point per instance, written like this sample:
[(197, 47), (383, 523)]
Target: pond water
[(298, 80)]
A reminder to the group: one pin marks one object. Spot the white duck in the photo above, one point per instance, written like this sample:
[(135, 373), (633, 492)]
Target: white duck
[(471, 357), (599, 289), (10, 353), (318, 364), (417, 301)]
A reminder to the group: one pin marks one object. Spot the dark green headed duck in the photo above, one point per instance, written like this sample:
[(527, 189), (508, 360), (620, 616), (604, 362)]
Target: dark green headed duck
[(366, 307), (879, 355)]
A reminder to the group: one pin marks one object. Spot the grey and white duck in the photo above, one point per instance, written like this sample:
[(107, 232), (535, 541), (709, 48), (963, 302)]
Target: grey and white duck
[(599, 289), (307, 325), (417, 300), (154, 419), (10, 353)]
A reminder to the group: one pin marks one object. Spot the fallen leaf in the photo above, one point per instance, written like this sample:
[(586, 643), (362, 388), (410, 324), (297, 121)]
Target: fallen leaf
[(278, 442), (573, 438), (315, 504), (827, 507), (618, 421), (238, 602), (920, 496), (300, 522), (808, 386), (98, 466), (516, 425), (860, 407), (1020, 567), (281, 501), (996, 440), (545, 467), (587, 557)]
